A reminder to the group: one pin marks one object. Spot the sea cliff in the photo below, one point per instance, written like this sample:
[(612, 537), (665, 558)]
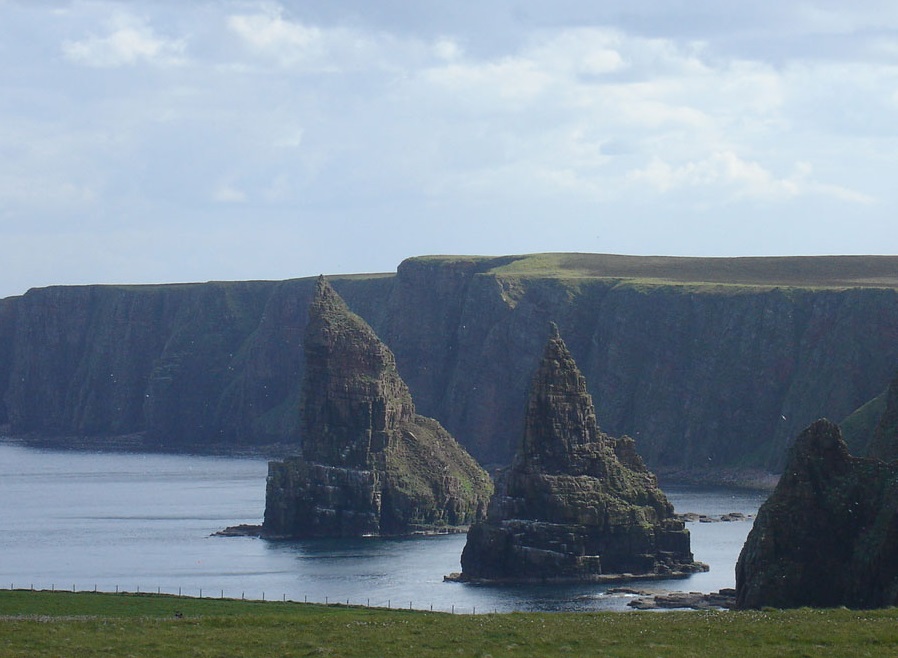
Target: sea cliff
[(711, 364)]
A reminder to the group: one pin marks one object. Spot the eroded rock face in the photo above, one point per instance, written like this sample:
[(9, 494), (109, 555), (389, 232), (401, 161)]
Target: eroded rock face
[(576, 504), (370, 465), (828, 534), (884, 445)]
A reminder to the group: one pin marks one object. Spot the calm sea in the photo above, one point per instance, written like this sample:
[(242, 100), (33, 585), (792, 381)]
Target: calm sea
[(143, 522)]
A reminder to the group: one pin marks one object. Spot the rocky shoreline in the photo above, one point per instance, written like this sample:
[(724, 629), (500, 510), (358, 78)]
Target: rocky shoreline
[(724, 599)]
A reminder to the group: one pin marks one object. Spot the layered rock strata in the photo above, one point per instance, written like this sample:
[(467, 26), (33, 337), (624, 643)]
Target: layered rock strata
[(828, 534), (369, 465), (576, 504)]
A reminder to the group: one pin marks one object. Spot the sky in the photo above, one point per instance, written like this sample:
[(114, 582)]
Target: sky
[(157, 141)]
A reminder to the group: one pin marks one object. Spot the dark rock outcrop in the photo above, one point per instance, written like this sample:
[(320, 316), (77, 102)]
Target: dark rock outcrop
[(828, 534), (705, 376), (370, 465), (576, 504)]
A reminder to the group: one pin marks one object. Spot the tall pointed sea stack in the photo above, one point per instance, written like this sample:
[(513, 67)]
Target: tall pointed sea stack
[(576, 504), (370, 464)]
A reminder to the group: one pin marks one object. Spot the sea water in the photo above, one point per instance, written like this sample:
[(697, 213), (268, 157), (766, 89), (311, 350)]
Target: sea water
[(145, 523)]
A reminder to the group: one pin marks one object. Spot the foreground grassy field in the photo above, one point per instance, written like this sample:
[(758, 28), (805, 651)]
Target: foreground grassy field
[(83, 624)]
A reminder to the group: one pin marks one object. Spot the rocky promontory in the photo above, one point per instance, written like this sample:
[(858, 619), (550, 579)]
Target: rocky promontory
[(370, 465), (828, 534), (576, 504)]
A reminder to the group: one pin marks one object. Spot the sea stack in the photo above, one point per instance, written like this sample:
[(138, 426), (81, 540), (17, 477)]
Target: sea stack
[(828, 534), (576, 504), (369, 465)]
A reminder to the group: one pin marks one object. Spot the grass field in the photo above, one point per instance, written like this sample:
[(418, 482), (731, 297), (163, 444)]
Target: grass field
[(788, 271), (85, 624)]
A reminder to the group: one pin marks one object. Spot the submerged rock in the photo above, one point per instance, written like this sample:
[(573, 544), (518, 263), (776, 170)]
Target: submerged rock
[(370, 465), (828, 534), (576, 504)]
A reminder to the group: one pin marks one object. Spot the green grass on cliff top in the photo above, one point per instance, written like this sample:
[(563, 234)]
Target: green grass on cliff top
[(83, 624), (786, 271)]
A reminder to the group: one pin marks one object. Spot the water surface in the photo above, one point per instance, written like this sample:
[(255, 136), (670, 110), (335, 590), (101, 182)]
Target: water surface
[(143, 522)]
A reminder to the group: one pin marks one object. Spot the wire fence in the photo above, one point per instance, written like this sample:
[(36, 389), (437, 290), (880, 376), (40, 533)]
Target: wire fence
[(201, 593)]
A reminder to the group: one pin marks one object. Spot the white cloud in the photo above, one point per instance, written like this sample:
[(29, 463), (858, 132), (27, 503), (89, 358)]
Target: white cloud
[(228, 193), (128, 42), (549, 125), (269, 34), (745, 179), (447, 49)]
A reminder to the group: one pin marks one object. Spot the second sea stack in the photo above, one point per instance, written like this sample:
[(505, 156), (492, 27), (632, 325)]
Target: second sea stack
[(576, 504), (370, 465)]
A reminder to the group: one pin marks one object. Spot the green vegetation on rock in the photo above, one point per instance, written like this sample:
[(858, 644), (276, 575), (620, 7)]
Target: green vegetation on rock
[(828, 534), (370, 464), (576, 504)]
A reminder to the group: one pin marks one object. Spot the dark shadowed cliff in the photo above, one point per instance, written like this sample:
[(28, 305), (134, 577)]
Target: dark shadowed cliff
[(708, 363)]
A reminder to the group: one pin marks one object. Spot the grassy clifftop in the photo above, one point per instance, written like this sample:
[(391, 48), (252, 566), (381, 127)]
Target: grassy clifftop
[(789, 271)]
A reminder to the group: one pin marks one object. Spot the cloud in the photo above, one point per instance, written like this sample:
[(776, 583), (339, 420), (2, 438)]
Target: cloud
[(269, 34), (745, 179), (435, 127), (227, 193), (128, 42)]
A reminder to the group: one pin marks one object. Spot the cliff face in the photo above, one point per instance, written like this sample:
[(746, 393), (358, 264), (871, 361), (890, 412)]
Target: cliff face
[(704, 375), (884, 444), (828, 535), (214, 365), (369, 464), (569, 508)]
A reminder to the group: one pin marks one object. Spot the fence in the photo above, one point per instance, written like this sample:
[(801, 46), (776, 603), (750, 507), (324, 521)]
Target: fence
[(200, 593)]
